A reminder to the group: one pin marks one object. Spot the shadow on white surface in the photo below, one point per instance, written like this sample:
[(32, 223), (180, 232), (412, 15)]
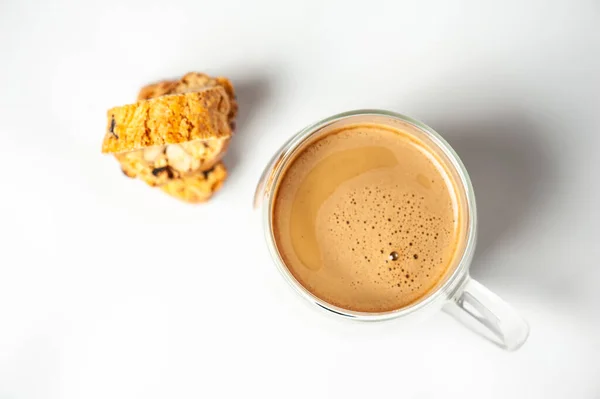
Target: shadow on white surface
[(251, 92), (509, 171), (514, 174)]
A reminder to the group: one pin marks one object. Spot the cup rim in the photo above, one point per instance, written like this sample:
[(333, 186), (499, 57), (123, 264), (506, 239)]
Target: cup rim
[(453, 281)]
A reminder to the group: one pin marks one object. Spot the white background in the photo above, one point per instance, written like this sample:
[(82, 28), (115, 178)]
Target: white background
[(109, 289)]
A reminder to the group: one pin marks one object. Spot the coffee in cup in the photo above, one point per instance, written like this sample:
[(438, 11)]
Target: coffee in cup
[(366, 218)]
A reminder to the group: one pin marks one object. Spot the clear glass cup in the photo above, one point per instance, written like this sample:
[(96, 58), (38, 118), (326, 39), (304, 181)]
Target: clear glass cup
[(457, 293)]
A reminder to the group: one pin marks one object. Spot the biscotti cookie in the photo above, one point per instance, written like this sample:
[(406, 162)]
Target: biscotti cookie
[(197, 187), (156, 89), (192, 81), (170, 119), (156, 165), (159, 164), (189, 170)]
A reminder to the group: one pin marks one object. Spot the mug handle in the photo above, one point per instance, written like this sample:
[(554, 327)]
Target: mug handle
[(488, 315)]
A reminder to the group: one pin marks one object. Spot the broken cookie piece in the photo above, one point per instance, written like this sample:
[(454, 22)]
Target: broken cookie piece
[(181, 159), (170, 119), (197, 187), (191, 82), (176, 135)]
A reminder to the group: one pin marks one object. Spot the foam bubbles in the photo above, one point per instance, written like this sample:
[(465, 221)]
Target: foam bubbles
[(398, 236)]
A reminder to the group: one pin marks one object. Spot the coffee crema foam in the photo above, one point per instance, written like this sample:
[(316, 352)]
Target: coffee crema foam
[(366, 218)]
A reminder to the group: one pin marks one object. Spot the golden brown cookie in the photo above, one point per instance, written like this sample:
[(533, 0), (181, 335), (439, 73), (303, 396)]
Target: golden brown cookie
[(156, 90), (157, 165), (197, 187), (174, 164), (170, 119), (192, 81)]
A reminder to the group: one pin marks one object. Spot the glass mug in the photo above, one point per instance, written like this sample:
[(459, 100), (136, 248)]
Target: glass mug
[(456, 293)]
